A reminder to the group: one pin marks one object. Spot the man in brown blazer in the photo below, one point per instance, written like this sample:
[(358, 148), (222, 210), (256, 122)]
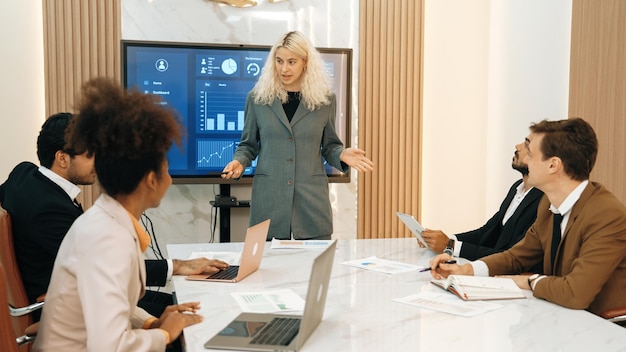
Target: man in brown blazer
[(585, 261)]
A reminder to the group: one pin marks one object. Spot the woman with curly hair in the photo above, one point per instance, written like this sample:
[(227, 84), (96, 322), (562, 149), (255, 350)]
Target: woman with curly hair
[(99, 273), (289, 126)]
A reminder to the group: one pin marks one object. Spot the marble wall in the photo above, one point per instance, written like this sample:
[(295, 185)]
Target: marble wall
[(490, 68), (185, 215)]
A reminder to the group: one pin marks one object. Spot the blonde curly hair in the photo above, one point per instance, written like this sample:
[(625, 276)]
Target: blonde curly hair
[(316, 86)]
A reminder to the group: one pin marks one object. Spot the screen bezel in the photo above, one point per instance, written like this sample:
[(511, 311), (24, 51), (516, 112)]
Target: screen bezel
[(215, 178)]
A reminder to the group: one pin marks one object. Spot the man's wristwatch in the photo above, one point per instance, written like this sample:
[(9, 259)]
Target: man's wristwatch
[(532, 278), (450, 248)]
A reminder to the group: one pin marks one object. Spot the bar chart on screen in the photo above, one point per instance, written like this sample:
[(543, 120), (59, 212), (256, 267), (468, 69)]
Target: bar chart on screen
[(220, 106)]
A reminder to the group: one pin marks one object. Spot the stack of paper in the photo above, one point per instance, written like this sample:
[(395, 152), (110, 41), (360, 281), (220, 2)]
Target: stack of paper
[(300, 244)]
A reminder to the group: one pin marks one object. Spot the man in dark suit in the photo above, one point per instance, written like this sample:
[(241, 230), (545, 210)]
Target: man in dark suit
[(41, 202), (580, 231), (505, 228)]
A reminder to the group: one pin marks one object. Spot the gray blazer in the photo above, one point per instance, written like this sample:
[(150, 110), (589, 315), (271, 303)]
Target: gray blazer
[(290, 185)]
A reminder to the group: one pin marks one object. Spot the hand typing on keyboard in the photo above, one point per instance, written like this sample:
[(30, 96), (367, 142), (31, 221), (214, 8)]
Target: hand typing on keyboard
[(197, 266)]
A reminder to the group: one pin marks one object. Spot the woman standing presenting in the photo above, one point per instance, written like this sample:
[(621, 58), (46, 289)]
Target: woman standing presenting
[(289, 125), (99, 272)]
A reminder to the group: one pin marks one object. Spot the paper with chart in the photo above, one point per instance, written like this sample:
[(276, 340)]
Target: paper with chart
[(451, 304), (300, 244), (415, 227), (269, 301), (382, 265)]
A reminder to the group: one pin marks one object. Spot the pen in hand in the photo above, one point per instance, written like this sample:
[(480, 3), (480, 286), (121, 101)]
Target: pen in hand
[(447, 262)]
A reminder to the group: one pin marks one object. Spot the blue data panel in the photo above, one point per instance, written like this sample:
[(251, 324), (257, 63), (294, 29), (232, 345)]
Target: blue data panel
[(207, 86)]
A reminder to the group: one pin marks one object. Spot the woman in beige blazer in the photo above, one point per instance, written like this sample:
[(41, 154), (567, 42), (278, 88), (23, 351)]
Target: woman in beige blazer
[(99, 273)]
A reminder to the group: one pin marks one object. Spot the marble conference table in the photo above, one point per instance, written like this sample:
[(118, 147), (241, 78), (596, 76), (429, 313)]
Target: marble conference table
[(361, 314)]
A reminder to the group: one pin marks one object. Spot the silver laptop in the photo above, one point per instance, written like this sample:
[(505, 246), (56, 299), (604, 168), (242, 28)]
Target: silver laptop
[(276, 332), (253, 247), (415, 227)]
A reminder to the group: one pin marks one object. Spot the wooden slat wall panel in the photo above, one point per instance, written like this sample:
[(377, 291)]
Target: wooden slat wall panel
[(598, 83), (390, 79), (81, 41)]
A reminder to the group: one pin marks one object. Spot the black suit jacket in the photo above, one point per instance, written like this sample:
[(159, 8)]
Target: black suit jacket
[(494, 237), (41, 213)]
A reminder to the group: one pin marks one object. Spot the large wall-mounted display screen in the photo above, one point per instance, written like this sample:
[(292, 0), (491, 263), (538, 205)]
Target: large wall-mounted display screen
[(207, 85)]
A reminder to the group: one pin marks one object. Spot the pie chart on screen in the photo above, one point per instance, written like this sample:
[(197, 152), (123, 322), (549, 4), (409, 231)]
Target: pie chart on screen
[(229, 66)]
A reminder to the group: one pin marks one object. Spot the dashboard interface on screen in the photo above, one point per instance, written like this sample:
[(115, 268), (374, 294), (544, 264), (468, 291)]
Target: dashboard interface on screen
[(207, 85)]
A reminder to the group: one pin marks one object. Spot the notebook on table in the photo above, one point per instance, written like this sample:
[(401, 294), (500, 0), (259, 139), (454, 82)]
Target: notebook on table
[(253, 247), (276, 332), (475, 288)]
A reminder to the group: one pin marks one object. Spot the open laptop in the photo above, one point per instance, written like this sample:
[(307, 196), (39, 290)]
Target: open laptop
[(253, 247), (415, 227), (256, 331)]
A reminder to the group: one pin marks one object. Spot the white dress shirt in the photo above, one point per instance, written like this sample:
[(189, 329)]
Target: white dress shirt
[(520, 194)]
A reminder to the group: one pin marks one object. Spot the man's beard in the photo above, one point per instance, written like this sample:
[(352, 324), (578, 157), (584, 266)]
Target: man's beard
[(523, 169)]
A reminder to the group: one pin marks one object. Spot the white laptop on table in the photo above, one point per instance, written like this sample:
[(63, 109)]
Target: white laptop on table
[(253, 247), (277, 332)]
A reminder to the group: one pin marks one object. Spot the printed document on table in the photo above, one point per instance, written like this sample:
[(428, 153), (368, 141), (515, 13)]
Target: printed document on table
[(303, 244), (447, 303), (232, 258), (269, 301), (382, 265)]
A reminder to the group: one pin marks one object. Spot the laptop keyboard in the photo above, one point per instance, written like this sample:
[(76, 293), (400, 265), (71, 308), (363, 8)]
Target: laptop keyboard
[(229, 273), (279, 331)]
